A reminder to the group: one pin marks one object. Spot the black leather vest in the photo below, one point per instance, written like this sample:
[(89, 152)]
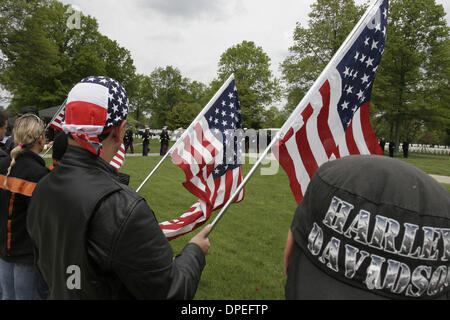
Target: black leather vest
[(58, 219)]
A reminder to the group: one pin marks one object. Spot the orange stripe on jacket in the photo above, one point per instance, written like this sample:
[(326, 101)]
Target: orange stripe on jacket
[(9, 226), (17, 185)]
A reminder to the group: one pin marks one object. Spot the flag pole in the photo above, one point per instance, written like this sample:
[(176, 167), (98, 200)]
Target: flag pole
[(244, 182), (156, 168), (185, 133), (48, 150), (48, 126)]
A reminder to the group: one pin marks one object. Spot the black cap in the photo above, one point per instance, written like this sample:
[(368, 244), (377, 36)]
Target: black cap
[(371, 227), (29, 109), (59, 146)]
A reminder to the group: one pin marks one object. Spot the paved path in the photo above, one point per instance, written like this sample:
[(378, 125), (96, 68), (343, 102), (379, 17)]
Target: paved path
[(441, 179)]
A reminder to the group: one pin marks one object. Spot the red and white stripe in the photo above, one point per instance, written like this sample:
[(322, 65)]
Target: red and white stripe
[(119, 158), (197, 155), (58, 121), (87, 103), (315, 135)]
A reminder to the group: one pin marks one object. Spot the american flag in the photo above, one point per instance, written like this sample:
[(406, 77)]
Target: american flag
[(119, 158), (57, 121), (332, 120), (210, 156)]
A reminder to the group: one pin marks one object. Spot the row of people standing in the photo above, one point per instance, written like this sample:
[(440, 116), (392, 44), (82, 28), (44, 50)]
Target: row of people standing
[(391, 147), (146, 136)]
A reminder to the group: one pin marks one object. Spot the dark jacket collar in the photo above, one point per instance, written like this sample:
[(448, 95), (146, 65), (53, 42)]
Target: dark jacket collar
[(80, 157), (28, 154)]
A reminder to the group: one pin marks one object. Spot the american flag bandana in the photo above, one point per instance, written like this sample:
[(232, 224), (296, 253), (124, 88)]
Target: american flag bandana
[(94, 106)]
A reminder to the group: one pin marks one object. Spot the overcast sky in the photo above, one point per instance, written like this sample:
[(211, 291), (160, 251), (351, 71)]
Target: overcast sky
[(192, 34)]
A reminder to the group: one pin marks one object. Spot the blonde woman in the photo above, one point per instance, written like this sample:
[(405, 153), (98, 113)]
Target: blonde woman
[(19, 176)]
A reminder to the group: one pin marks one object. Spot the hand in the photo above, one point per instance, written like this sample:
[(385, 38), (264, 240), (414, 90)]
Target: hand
[(288, 250), (201, 239)]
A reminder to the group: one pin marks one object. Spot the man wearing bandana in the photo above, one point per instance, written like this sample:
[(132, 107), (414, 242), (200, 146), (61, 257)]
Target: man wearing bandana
[(94, 237)]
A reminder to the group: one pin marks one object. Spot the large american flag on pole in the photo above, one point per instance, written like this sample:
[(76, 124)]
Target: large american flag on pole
[(57, 122), (210, 156), (332, 120)]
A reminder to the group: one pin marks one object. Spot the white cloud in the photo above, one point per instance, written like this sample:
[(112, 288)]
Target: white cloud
[(192, 34), (183, 9)]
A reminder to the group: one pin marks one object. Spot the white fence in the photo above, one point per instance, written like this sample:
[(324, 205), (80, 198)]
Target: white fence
[(425, 148)]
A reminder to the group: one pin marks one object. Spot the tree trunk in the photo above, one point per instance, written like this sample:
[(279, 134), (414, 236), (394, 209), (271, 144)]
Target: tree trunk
[(391, 131), (399, 114), (397, 134), (137, 113)]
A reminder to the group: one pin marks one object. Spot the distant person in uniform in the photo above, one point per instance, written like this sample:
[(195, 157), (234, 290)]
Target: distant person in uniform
[(405, 147), (164, 142), (382, 144), (146, 142), (370, 227), (128, 140), (391, 149)]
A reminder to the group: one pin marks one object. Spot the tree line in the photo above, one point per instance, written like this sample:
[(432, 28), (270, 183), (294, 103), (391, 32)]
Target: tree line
[(41, 59)]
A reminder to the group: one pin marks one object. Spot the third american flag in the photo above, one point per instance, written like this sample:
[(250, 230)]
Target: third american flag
[(332, 120), (210, 156)]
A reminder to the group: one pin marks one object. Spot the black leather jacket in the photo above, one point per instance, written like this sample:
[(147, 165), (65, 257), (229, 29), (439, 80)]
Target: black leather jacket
[(15, 243), (81, 215)]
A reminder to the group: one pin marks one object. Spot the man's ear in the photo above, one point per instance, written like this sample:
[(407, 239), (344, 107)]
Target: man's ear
[(119, 131)]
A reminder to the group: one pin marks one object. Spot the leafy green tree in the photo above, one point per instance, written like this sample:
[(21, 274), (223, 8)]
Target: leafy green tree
[(183, 114), (141, 94), (411, 91), (257, 87), (169, 88), (329, 24), (168, 96), (197, 92), (274, 118), (41, 58)]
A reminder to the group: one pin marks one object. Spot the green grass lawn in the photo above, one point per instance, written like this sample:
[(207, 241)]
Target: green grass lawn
[(432, 164), (247, 246)]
